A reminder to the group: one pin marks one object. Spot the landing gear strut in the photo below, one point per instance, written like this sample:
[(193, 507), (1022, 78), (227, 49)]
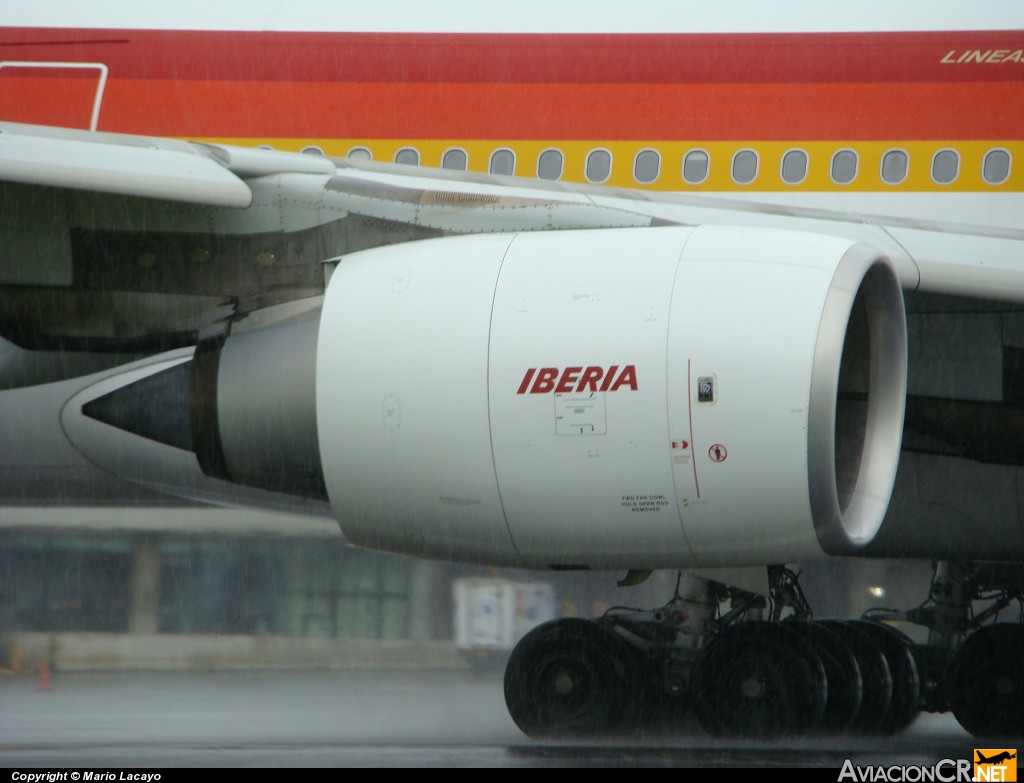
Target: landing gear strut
[(981, 680)]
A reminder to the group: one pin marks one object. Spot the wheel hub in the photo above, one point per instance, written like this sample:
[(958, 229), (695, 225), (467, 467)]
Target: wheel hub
[(1004, 686), (752, 688), (564, 684)]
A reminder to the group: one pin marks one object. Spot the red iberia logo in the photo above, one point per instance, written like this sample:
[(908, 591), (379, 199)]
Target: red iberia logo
[(998, 764), (578, 379)]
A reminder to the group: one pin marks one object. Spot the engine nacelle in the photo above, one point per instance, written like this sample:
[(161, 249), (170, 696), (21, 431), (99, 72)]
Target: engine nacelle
[(628, 398)]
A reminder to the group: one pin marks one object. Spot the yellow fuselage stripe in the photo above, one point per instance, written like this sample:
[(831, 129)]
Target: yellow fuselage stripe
[(819, 154)]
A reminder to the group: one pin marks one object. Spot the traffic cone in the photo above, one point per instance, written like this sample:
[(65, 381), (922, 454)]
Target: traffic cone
[(45, 682)]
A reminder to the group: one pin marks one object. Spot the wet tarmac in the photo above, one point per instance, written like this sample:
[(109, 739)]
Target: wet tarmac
[(400, 719)]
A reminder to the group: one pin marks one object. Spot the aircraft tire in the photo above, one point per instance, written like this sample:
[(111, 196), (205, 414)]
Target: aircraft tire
[(758, 680), (845, 684), (876, 694), (985, 681), (906, 683), (570, 678)]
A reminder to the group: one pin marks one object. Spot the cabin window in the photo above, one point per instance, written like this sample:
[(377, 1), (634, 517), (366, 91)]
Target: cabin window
[(599, 165), (744, 167), (502, 162), (357, 153), (455, 159), (311, 149), (894, 167), (945, 166), (794, 167), (549, 164), (695, 167), (646, 166), (996, 168), (408, 156), (844, 167)]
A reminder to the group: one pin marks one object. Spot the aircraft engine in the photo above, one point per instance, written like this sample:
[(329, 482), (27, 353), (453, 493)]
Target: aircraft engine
[(620, 398), (629, 398)]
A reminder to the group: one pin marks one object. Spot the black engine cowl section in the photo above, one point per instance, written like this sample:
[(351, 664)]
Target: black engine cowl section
[(628, 398), (252, 407), (244, 407)]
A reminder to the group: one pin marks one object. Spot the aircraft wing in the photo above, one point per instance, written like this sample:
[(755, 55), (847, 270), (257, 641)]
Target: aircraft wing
[(113, 163), (942, 257)]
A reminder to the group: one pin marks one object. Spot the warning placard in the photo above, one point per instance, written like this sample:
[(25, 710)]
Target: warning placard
[(644, 504), (580, 414)]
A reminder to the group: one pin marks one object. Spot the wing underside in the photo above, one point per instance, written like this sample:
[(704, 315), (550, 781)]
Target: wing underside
[(98, 227)]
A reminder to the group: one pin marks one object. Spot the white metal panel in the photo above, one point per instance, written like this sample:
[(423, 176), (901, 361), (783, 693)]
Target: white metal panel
[(583, 299), (256, 162), (745, 313), (402, 410), (133, 168), (989, 267)]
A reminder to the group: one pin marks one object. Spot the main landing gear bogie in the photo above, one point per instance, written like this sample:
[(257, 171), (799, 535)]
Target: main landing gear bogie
[(578, 678), (792, 678), (741, 675)]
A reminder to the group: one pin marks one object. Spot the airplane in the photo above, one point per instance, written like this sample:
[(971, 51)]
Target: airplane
[(714, 288), (1003, 756)]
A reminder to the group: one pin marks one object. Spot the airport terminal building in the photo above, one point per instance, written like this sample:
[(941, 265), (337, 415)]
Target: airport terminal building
[(115, 582), (212, 571), (104, 580)]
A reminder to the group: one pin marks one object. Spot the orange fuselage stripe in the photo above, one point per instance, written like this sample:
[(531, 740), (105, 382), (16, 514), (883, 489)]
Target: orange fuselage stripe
[(667, 112)]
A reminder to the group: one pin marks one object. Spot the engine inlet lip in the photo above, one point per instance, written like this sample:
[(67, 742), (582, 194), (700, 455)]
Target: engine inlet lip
[(846, 528)]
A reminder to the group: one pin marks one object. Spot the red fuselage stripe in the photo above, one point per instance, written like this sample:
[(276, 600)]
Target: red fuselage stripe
[(526, 58)]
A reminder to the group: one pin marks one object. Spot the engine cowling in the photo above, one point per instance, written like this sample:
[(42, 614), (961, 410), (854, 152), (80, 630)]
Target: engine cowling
[(629, 398)]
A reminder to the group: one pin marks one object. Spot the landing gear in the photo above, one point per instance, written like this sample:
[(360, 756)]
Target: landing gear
[(630, 668), (876, 679), (845, 691), (763, 668), (972, 663), (896, 649), (986, 681), (570, 678)]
